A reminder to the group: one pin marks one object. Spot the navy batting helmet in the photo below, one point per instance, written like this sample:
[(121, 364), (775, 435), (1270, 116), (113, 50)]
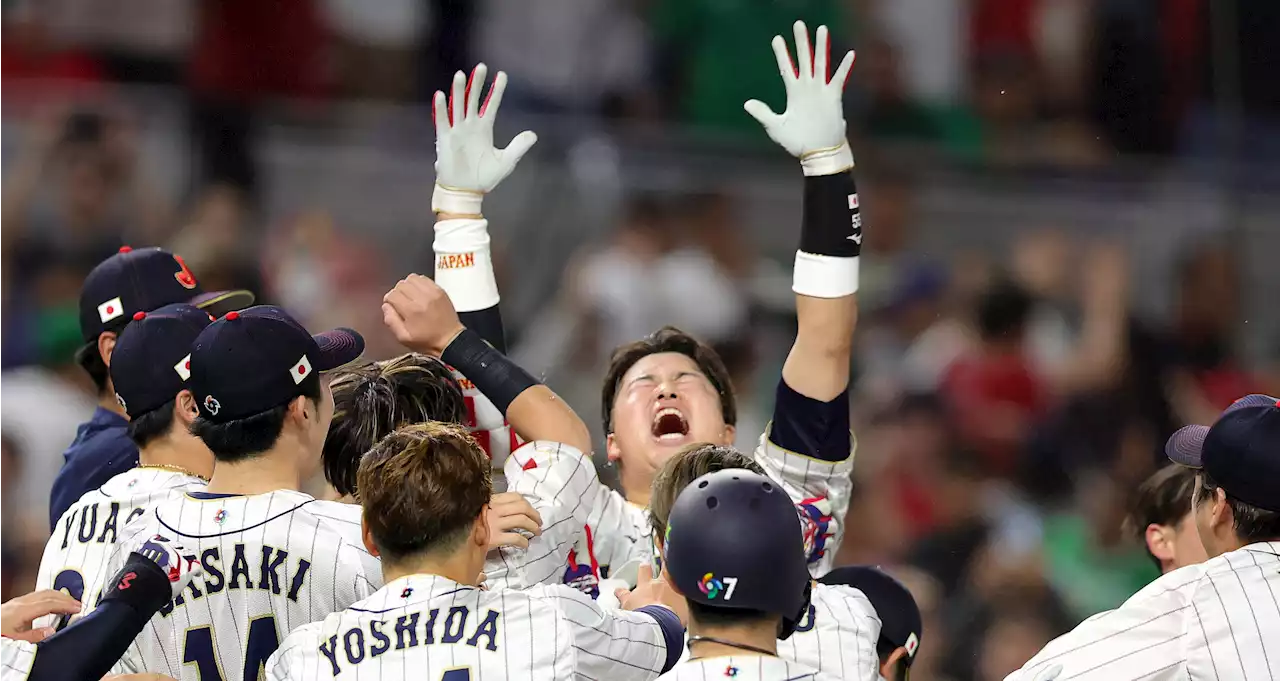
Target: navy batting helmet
[(734, 541)]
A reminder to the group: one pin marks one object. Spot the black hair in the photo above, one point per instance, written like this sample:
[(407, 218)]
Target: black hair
[(90, 360), (711, 615), (1252, 524), (150, 425), (1003, 311), (1162, 499), (244, 438)]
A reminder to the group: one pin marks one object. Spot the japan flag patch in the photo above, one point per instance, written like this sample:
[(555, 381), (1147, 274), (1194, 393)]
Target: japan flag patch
[(301, 370), (183, 367), (110, 310), (853, 202)]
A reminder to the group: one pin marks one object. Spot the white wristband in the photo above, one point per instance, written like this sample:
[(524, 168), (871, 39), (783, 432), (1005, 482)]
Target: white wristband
[(464, 268), (827, 161), (824, 276), (457, 201)]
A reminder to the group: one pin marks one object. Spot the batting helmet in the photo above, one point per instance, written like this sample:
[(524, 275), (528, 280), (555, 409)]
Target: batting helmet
[(734, 541)]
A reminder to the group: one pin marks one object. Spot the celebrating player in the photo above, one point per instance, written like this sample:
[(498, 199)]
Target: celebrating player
[(667, 391), (131, 281), (154, 573), (1212, 620), (424, 490), (1161, 519), (900, 623), (149, 370), (735, 552), (274, 558), (839, 617)]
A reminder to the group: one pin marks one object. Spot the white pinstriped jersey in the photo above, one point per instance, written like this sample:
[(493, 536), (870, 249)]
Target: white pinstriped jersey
[(75, 559), (16, 658), (489, 427), (560, 482), (1216, 620), (429, 627), (837, 637), (618, 533), (272, 562), (744, 668)]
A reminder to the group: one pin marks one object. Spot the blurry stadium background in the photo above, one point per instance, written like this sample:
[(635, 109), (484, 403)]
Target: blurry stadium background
[(1071, 209)]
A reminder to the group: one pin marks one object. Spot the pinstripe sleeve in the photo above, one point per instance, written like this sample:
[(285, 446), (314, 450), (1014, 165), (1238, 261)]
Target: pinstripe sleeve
[(611, 644), (1143, 639), (809, 449), (16, 658), (560, 482)]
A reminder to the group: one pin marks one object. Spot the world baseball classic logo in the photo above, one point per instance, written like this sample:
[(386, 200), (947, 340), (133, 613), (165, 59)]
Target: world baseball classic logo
[(713, 587)]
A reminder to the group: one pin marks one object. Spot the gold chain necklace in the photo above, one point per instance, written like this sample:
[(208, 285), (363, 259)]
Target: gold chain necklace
[(175, 469)]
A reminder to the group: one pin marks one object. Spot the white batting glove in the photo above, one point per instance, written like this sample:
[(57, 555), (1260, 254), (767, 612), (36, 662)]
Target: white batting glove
[(812, 128), (180, 565), (467, 164)]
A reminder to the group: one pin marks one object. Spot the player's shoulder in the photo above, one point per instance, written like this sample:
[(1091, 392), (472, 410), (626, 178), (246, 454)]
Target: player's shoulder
[(845, 602)]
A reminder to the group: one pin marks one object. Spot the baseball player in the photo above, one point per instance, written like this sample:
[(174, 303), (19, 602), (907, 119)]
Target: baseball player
[(550, 480), (155, 572), (131, 281), (900, 622), (274, 558), (149, 370), (1213, 620), (469, 166), (1160, 519), (667, 391), (735, 551), (424, 490), (838, 632)]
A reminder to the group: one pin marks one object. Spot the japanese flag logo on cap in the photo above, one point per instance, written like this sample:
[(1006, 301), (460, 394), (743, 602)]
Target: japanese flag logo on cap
[(913, 642), (110, 310), (183, 367), (301, 370)]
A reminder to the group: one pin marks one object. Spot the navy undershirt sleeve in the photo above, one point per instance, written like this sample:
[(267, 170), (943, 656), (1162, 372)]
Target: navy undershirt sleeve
[(672, 633), (812, 428)]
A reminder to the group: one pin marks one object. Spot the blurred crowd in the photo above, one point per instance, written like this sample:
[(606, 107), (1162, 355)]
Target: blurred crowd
[(1007, 402)]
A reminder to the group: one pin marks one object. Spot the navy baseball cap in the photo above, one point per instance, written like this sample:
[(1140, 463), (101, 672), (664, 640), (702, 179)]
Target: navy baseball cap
[(734, 541), (900, 622), (152, 359), (256, 359), (1241, 451), (141, 280)]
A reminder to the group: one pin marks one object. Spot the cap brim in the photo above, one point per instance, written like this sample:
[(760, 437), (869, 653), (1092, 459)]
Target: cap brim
[(338, 348), (218, 303), (1185, 446)]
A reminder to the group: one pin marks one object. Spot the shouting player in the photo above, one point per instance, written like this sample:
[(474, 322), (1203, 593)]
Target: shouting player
[(149, 370), (1212, 620), (131, 281), (424, 490), (667, 391), (837, 634), (274, 558), (735, 552)]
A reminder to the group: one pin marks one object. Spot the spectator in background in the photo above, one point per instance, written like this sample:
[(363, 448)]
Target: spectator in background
[(223, 245), (994, 391), (1207, 310), (714, 56), (36, 67)]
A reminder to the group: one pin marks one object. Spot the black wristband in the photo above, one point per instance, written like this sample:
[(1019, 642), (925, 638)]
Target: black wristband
[(500, 379), (487, 323), (832, 222), (141, 584)]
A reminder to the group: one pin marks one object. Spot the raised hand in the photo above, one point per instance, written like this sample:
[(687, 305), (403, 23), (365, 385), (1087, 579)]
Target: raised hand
[(467, 164), (812, 128), (420, 315)]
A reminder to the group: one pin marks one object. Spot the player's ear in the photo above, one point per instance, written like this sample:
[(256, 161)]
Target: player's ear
[(1160, 541), (366, 535), (299, 409), (480, 529), (184, 408), (611, 447), (106, 346), (890, 663), (730, 433), (1220, 514)]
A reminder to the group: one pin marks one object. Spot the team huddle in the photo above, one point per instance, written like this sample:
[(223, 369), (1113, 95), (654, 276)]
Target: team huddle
[(438, 516)]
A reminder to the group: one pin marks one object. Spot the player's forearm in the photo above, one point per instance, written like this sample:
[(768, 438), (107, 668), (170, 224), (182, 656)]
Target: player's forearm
[(532, 409), (464, 269), (826, 282)]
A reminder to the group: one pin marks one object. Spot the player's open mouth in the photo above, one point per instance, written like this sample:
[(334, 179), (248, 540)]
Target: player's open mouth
[(669, 425)]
